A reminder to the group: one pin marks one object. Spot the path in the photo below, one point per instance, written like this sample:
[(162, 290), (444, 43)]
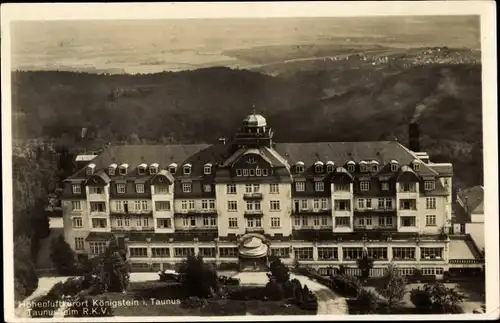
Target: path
[(329, 303), (44, 286)]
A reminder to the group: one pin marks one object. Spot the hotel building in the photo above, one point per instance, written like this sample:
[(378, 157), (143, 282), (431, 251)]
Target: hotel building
[(322, 204)]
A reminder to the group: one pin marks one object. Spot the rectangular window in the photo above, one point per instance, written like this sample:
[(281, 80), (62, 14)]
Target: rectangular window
[(160, 252), (303, 253), (368, 203), (384, 221), (342, 205), (408, 187), (99, 223), (191, 204), (403, 253), (77, 188), (76, 205), (233, 223), (381, 203), (209, 221), (304, 205), (364, 186), (275, 205), (275, 223), (430, 220), (328, 253), (408, 204), (207, 188), (324, 220), (319, 186), (316, 221), (377, 253), (77, 222), (162, 189), (211, 204), (232, 206), (408, 221), (283, 252), (315, 204), (162, 206), (342, 221), (352, 253), (184, 205), (305, 220), (342, 187), (139, 188), (300, 186), (388, 203), (207, 170), (97, 248), (431, 253), (265, 172), (164, 223), (248, 188), (186, 187), (361, 203), (429, 185), (239, 172), (251, 172), (245, 172), (79, 243), (254, 223), (183, 252), (204, 204), (274, 188), (297, 221), (97, 207), (120, 188), (430, 203), (258, 172), (228, 252), (208, 252), (96, 190), (231, 188), (385, 186), (323, 204)]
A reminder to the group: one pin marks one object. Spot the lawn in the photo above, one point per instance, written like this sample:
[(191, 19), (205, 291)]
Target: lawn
[(156, 298)]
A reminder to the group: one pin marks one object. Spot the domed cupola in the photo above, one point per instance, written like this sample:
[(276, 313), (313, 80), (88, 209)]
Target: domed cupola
[(254, 132)]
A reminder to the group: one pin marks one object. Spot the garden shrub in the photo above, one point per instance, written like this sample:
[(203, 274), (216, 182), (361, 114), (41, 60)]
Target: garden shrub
[(274, 291), (437, 299), (366, 302), (194, 302)]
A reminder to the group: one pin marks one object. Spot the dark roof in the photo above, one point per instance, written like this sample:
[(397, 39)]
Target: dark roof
[(474, 199), (199, 155)]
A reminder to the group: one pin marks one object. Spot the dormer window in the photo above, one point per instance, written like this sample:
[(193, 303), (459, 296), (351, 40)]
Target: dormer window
[(394, 166), (207, 169), (141, 169), (172, 168), (363, 167), (153, 168), (112, 169), (186, 169), (429, 185), (123, 169), (416, 165), (299, 167), (330, 166), (374, 165), (90, 169), (318, 167), (351, 166)]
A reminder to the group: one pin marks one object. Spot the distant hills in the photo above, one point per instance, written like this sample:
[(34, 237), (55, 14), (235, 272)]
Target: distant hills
[(373, 102)]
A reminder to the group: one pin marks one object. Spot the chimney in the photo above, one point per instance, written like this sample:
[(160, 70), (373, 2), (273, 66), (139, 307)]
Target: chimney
[(414, 137)]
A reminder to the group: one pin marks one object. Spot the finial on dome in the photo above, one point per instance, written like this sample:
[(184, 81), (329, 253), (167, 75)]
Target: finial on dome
[(253, 107)]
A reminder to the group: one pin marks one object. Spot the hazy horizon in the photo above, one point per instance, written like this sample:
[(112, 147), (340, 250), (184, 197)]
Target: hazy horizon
[(147, 46)]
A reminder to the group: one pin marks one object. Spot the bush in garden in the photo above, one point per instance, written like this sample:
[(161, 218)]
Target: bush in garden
[(366, 302), (274, 290), (347, 284), (279, 271), (393, 288), (437, 299), (199, 278), (365, 264), (63, 257)]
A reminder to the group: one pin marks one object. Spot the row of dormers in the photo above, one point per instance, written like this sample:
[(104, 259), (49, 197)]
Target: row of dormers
[(144, 169), (319, 167), (351, 166)]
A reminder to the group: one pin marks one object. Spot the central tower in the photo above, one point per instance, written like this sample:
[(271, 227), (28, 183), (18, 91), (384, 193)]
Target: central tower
[(254, 133)]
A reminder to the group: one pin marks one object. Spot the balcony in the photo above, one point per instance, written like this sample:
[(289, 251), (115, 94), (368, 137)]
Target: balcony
[(370, 228), (132, 229), (196, 212), (255, 230), (376, 210), (254, 213), (311, 211), (252, 196)]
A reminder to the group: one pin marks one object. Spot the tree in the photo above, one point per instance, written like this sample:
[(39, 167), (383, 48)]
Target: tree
[(437, 298), (279, 271), (25, 277), (365, 264), (200, 278), (63, 257), (366, 302), (394, 286), (112, 269)]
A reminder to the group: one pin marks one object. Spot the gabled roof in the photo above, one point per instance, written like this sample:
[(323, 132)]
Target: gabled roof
[(474, 197)]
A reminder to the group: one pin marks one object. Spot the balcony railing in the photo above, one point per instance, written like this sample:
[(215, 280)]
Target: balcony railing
[(131, 213), (466, 261), (195, 212), (252, 196), (312, 211), (369, 228), (254, 212), (132, 229), (255, 230)]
